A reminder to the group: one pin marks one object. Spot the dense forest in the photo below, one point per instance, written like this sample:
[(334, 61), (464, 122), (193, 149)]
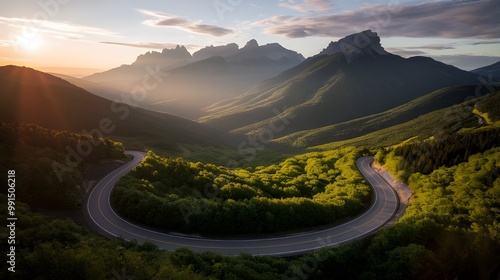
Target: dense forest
[(447, 150), (465, 196), (452, 205), (302, 191), (50, 163)]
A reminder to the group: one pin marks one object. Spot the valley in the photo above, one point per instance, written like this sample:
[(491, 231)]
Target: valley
[(255, 162)]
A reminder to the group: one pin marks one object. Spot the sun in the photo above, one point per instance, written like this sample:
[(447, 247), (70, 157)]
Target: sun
[(29, 43)]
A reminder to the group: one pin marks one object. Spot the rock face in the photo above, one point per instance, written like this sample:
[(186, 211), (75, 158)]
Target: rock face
[(211, 51), (273, 52), (120, 77), (355, 45), (190, 83), (252, 52), (251, 44), (166, 56)]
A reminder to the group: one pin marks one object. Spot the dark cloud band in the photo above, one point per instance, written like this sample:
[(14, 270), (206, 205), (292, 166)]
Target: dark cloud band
[(444, 19)]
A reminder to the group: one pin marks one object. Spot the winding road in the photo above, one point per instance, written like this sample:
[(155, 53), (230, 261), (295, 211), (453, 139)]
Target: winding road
[(106, 222)]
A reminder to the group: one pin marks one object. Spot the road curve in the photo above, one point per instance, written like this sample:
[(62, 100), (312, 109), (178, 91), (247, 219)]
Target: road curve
[(105, 221)]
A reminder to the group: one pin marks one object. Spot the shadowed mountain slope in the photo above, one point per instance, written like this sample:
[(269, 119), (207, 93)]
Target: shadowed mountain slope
[(334, 87), (491, 72), (29, 96)]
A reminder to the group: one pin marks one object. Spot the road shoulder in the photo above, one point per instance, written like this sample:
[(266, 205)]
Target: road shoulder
[(404, 192)]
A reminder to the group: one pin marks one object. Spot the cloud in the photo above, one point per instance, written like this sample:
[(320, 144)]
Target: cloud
[(210, 29), (443, 19), (172, 22), (449, 46), (308, 6), (151, 45), (489, 42), (62, 29), (255, 5), (418, 50), (405, 52), (163, 19), (435, 47)]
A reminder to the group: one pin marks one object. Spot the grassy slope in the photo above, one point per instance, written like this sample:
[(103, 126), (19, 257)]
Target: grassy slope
[(433, 101), (439, 122)]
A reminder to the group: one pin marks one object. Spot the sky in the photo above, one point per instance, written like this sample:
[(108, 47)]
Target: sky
[(81, 37)]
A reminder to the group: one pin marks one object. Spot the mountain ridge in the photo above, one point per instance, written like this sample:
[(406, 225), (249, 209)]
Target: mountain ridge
[(329, 89), (31, 96), (366, 42), (180, 56), (216, 77)]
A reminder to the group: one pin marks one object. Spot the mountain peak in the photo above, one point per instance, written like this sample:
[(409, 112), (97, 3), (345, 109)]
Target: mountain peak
[(251, 44), (210, 51), (178, 50), (363, 43), (166, 56)]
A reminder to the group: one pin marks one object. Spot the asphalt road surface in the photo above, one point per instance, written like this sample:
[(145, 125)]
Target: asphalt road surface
[(105, 221)]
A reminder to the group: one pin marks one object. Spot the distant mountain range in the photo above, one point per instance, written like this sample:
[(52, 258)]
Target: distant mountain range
[(30, 96), (351, 88), (352, 78), (191, 82), (251, 51)]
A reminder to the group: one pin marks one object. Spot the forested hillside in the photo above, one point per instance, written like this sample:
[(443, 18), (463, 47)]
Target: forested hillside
[(447, 150), (49, 163), (450, 207), (464, 196), (469, 114), (441, 99), (303, 191)]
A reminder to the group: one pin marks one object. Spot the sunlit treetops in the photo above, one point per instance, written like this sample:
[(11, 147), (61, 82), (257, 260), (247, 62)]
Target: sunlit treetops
[(306, 190)]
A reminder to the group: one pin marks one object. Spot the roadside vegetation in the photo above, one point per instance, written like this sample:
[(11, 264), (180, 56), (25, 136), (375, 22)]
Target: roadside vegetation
[(452, 205), (50, 163), (451, 229), (303, 191), (431, 154)]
